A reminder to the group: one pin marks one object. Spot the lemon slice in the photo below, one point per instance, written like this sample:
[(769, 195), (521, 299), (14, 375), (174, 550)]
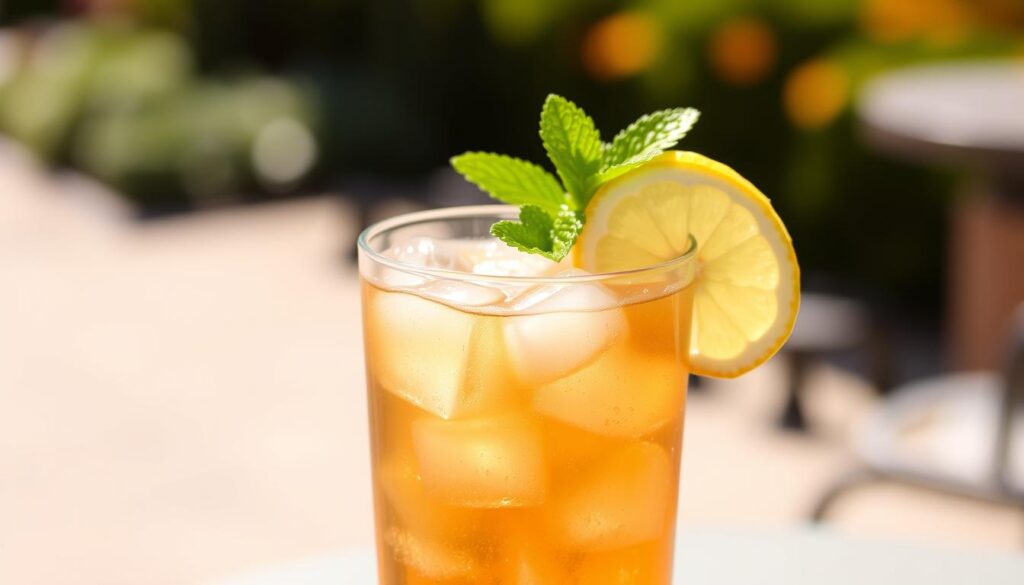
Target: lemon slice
[(747, 289)]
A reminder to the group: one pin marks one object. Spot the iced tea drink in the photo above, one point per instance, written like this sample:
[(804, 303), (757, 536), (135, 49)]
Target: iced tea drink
[(526, 418)]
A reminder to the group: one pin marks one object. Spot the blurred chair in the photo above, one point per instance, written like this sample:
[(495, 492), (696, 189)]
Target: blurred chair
[(959, 433), (964, 115), (827, 325)]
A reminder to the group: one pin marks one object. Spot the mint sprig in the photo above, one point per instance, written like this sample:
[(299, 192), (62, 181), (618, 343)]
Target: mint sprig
[(574, 146), (551, 213)]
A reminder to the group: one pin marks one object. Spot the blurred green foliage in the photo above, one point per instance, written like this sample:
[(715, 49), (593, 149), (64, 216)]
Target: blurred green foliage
[(166, 99), (125, 105)]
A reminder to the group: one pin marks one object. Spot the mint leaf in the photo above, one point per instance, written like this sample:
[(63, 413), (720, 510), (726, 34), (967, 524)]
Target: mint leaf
[(649, 136), (532, 233), (537, 232), (566, 228), (511, 180), (574, 146)]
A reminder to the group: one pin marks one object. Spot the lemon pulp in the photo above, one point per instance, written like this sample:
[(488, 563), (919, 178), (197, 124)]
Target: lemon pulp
[(747, 289)]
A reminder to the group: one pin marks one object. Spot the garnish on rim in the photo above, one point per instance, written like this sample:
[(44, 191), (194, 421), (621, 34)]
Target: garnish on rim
[(647, 202), (552, 212), (747, 290)]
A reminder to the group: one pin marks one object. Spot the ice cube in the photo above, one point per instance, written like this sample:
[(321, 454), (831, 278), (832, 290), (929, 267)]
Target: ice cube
[(417, 252), (514, 266), (394, 279), (572, 325), (423, 251), (392, 434), (527, 560), (487, 387), (445, 361), (491, 462), (625, 498), (486, 257), (499, 259), (432, 560), (624, 393), (496, 258), (419, 513), (645, 564), (570, 448), (461, 294), (470, 252), (417, 349)]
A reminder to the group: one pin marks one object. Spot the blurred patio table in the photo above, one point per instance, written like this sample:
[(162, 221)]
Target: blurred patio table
[(967, 116), (742, 556)]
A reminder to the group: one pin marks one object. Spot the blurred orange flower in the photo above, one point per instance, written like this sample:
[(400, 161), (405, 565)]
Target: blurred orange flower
[(898, 20), (743, 51), (621, 45), (815, 93)]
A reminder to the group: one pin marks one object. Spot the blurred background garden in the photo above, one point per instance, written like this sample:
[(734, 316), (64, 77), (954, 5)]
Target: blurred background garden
[(182, 105), (182, 351)]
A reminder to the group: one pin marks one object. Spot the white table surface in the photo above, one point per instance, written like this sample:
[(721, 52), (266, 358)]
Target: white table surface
[(959, 106), (735, 556)]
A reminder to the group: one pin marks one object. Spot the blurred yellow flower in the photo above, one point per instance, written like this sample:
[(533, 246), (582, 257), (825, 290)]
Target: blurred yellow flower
[(621, 45), (815, 93), (743, 51)]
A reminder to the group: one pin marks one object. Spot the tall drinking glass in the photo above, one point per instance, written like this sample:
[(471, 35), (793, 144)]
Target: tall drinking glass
[(526, 418)]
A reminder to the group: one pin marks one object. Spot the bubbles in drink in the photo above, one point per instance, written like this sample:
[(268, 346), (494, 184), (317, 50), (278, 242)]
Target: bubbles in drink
[(492, 462), (417, 512), (624, 499), (627, 394), (430, 559), (636, 565), (571, 448), (526, 560)]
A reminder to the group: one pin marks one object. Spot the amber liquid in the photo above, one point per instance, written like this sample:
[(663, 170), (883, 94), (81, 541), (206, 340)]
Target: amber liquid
[(487, 470)]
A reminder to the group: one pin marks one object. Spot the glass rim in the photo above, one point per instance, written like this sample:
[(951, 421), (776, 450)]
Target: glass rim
[(492, 211)]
